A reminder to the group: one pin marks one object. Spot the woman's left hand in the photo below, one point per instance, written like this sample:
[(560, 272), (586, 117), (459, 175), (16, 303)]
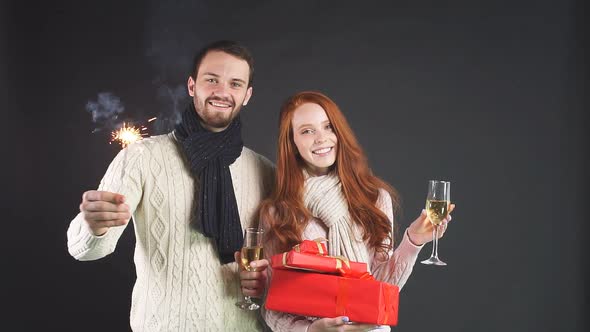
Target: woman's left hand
[(420, 231)]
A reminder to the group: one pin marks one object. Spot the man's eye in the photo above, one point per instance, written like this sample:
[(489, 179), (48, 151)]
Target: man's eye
[(211, 80), (236, 84)]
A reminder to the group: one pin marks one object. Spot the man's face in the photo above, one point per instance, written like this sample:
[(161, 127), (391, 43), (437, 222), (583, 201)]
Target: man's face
[(220, 89)]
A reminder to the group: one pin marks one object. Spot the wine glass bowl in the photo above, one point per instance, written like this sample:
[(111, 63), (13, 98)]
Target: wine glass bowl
[(438, 201), (437, 211), (251, 251)]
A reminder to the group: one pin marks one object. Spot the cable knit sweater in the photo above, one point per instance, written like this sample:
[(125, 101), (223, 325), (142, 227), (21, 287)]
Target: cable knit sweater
[(394, 269), (181, 285)]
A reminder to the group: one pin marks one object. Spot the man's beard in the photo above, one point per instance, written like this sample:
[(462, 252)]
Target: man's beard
[(214, 118)]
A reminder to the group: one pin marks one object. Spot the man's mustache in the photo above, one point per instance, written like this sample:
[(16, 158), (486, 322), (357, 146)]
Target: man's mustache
[(225, 100)]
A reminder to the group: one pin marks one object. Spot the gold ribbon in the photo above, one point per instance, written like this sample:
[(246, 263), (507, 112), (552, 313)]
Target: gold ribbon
[(317, 241), (295, 267), (340, 260)]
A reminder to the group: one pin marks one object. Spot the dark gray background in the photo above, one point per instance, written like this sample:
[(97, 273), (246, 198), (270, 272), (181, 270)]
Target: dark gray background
[(486, 94)]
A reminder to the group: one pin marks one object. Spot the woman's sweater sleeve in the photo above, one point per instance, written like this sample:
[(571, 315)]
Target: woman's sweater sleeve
[(123, 176), (397, 267)]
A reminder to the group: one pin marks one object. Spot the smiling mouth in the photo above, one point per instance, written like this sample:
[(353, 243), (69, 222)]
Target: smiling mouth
[(322, 151), (219, 104)]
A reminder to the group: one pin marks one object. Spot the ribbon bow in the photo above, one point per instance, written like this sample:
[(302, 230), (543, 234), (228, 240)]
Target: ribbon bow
[(315, 246)]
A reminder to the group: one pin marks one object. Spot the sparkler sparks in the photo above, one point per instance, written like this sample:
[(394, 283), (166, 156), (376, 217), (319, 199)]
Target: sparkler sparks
[(129, 134)]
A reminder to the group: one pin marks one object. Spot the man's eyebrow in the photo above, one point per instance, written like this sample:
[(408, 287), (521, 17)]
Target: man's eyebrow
[(238, 80), (233, 79)]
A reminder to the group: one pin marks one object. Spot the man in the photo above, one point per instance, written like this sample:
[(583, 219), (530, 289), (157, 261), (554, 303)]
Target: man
[(190, 192)]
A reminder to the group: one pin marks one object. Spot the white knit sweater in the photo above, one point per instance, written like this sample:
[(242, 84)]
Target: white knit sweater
[(181, 285)]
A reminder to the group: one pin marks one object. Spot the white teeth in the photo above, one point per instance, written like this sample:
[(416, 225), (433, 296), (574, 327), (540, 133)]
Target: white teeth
[(321, 151), (218, 105)]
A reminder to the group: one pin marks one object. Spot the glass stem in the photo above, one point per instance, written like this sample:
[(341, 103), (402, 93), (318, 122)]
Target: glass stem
[(435, 242)]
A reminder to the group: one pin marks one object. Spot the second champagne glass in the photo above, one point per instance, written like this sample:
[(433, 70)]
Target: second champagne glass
[(437, 208), (251, 251)]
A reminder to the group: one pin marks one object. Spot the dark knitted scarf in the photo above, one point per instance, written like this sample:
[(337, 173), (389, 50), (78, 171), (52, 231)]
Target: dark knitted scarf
[(209, 155)]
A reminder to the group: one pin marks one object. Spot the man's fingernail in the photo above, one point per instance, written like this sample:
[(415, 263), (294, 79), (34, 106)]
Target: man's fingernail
[(253, 265), (345, 319)]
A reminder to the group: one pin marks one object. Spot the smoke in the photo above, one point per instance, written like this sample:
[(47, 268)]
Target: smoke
[(174, 31), (172, 34), (171, 68), (173, 100), (105, 110)]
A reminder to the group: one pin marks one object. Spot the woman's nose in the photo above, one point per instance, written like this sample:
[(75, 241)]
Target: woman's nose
[(319, 139)]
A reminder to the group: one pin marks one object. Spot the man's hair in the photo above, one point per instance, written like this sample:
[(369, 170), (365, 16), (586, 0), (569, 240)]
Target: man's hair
[(227, 46)]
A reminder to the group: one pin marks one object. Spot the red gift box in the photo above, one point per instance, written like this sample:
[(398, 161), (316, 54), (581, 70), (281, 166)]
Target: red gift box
[(316, 246), (322, 264), (324, 295)]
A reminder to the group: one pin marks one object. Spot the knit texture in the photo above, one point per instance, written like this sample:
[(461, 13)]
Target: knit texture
[(181, 285), (209, 155), (325, 200), (395, 267)]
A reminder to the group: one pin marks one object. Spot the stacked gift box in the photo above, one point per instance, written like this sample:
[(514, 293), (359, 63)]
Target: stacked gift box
[(308, 282)]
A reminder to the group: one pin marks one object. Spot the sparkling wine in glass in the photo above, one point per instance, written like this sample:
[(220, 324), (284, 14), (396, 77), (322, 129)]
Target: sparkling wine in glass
[(251, 251), (438, 201)]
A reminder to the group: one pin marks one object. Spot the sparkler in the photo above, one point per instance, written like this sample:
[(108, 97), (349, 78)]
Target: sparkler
[(129, 134)]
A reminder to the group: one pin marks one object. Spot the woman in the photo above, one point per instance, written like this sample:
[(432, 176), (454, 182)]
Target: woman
[(325, 188)]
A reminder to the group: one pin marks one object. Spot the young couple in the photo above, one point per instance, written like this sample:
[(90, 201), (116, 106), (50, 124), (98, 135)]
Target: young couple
[(193, 191)]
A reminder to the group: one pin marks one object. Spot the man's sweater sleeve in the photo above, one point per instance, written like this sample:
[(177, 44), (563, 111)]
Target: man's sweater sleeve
[(123, 176)]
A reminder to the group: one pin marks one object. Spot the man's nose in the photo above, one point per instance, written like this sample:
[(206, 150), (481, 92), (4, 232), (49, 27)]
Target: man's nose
[(221, 90)]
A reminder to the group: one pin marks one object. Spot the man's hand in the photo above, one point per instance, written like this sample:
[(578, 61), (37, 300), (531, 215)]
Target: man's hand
[(103, 209), (253, 282)]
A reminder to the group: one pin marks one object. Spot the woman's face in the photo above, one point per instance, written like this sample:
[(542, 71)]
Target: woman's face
[(314, 137)]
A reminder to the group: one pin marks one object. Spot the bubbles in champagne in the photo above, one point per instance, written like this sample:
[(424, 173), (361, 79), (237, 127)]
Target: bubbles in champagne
[(250, 254), (437, 210)]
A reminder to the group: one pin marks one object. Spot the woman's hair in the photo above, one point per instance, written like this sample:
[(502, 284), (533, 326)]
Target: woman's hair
[(285, 212)]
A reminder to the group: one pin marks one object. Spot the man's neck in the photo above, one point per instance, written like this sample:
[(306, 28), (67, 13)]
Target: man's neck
[(212, 129)]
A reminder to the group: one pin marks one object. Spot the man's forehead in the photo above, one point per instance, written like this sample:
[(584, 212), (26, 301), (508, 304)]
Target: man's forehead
[(223, 64)]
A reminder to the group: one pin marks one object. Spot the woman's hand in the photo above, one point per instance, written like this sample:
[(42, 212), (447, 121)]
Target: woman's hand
[(338, 324), (420, 231)]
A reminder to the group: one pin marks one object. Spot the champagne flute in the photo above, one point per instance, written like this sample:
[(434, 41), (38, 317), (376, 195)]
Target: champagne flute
[(437, 209), (251, 251)]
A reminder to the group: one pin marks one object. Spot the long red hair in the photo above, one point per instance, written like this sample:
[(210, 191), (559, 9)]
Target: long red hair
[(285, 213)]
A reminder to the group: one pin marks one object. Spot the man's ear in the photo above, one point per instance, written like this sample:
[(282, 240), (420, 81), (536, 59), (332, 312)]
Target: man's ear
[(190, 85), (248, 95)]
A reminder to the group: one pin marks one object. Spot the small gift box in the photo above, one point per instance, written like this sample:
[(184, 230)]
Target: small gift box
[(321, 264), (312, 255), (317, 247), (325, 295)]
